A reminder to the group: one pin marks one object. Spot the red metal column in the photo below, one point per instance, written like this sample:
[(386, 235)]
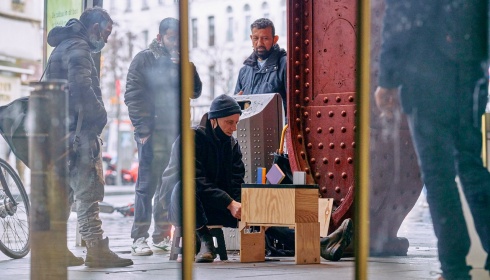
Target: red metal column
[(321, 77), (321, 110)]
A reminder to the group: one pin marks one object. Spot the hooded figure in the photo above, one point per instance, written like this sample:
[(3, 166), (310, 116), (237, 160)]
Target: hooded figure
[(71, 60)]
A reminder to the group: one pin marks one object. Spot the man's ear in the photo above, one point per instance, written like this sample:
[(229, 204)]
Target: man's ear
[(213, 123), (159, 37), (276, 38), (95, 27)]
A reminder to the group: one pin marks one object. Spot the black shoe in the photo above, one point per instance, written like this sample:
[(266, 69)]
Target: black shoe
[(207, 252), (99, 255), (73, 260), (332, 247)]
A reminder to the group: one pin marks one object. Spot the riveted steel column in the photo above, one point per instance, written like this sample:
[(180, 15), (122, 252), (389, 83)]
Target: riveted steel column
[(321, 98), (48, 146)]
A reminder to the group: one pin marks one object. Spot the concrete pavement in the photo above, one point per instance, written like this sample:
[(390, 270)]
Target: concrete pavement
[(421, 262)]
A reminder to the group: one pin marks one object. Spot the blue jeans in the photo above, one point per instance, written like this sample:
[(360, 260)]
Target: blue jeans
[(446, 131), (153, 159), (87, 185)]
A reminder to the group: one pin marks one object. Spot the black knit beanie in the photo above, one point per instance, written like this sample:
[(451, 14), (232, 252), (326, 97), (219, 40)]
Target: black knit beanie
[(223, 106)]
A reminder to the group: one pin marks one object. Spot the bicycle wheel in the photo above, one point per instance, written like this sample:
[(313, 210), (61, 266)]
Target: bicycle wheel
[(14, 213)]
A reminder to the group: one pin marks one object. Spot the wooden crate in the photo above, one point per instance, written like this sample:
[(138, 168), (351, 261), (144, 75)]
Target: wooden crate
[(294, 206), (295, 203)]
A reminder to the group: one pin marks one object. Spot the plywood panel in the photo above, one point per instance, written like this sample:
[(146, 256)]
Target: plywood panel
[(252, 246), (307, 240), (324, 214), (263, 205), (306, 204)]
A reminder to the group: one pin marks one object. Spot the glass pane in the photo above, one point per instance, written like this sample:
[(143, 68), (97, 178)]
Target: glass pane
[(428, 113)]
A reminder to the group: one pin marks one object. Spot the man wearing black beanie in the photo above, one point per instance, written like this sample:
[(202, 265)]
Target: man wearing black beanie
[(219, 173), (219, 177)]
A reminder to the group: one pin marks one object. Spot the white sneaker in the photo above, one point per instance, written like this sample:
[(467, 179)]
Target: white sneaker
[(141, 248), (164, 245)]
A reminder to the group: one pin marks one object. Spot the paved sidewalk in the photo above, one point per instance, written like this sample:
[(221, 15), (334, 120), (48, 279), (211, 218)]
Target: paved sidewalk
[(421, 262)]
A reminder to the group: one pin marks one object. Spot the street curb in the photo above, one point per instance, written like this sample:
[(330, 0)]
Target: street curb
[(118, 190)]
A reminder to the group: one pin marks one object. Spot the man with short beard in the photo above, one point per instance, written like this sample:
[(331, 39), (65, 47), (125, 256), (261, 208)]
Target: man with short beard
[(264, 71)]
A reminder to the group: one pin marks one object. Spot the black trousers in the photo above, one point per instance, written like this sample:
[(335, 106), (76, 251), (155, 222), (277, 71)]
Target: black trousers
[(444, 115)]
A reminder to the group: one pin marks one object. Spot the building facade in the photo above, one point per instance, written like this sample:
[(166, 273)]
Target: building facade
[(20, 47), (219, 39)]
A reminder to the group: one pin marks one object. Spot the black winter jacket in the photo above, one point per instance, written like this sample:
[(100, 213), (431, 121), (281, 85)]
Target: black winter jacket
[(271, 78), (219, 167), (153, 93), (72, 60), (414, 30)]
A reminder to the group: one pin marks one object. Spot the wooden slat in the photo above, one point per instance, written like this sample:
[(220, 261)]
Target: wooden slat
[(252, 246), (324, 213), (307, 247)]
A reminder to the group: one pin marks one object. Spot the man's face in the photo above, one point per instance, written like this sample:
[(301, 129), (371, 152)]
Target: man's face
[(229, 124), (106, 32), (101, 33), (170, 40), (262, 41)]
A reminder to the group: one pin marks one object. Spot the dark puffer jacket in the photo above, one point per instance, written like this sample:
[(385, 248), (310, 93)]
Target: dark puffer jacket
[(153, 93), (72, 60), (271, 78), (219, 167)]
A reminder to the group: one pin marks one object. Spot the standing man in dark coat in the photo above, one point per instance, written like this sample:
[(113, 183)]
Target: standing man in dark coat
[(71, 60), (219, 178), (436, 52), (153, 100), (264, 71)]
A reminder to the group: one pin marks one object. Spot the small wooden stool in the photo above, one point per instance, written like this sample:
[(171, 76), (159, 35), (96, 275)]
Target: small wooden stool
[(216, 232)]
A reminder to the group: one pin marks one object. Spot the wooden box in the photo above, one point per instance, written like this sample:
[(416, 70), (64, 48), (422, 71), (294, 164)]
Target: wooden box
[(295, 203)]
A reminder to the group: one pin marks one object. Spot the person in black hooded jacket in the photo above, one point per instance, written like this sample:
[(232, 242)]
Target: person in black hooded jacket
[(219, 173), (72, 60), (153, 98), (264, 71), (434, 58), (219, 176)]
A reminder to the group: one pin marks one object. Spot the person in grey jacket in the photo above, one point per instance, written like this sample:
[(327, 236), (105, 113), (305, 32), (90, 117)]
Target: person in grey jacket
[(153, 100), (264, 71), (72, 60)]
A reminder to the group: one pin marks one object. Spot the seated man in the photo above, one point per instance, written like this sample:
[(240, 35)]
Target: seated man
[(219, 176)]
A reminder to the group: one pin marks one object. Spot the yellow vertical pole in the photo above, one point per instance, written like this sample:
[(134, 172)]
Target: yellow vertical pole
[(361, 168), (187, 147), (484, 140)]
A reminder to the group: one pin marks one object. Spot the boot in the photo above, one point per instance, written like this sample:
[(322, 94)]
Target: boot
[(332, 247), (99, 255), (207, 252), (73, 260)]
